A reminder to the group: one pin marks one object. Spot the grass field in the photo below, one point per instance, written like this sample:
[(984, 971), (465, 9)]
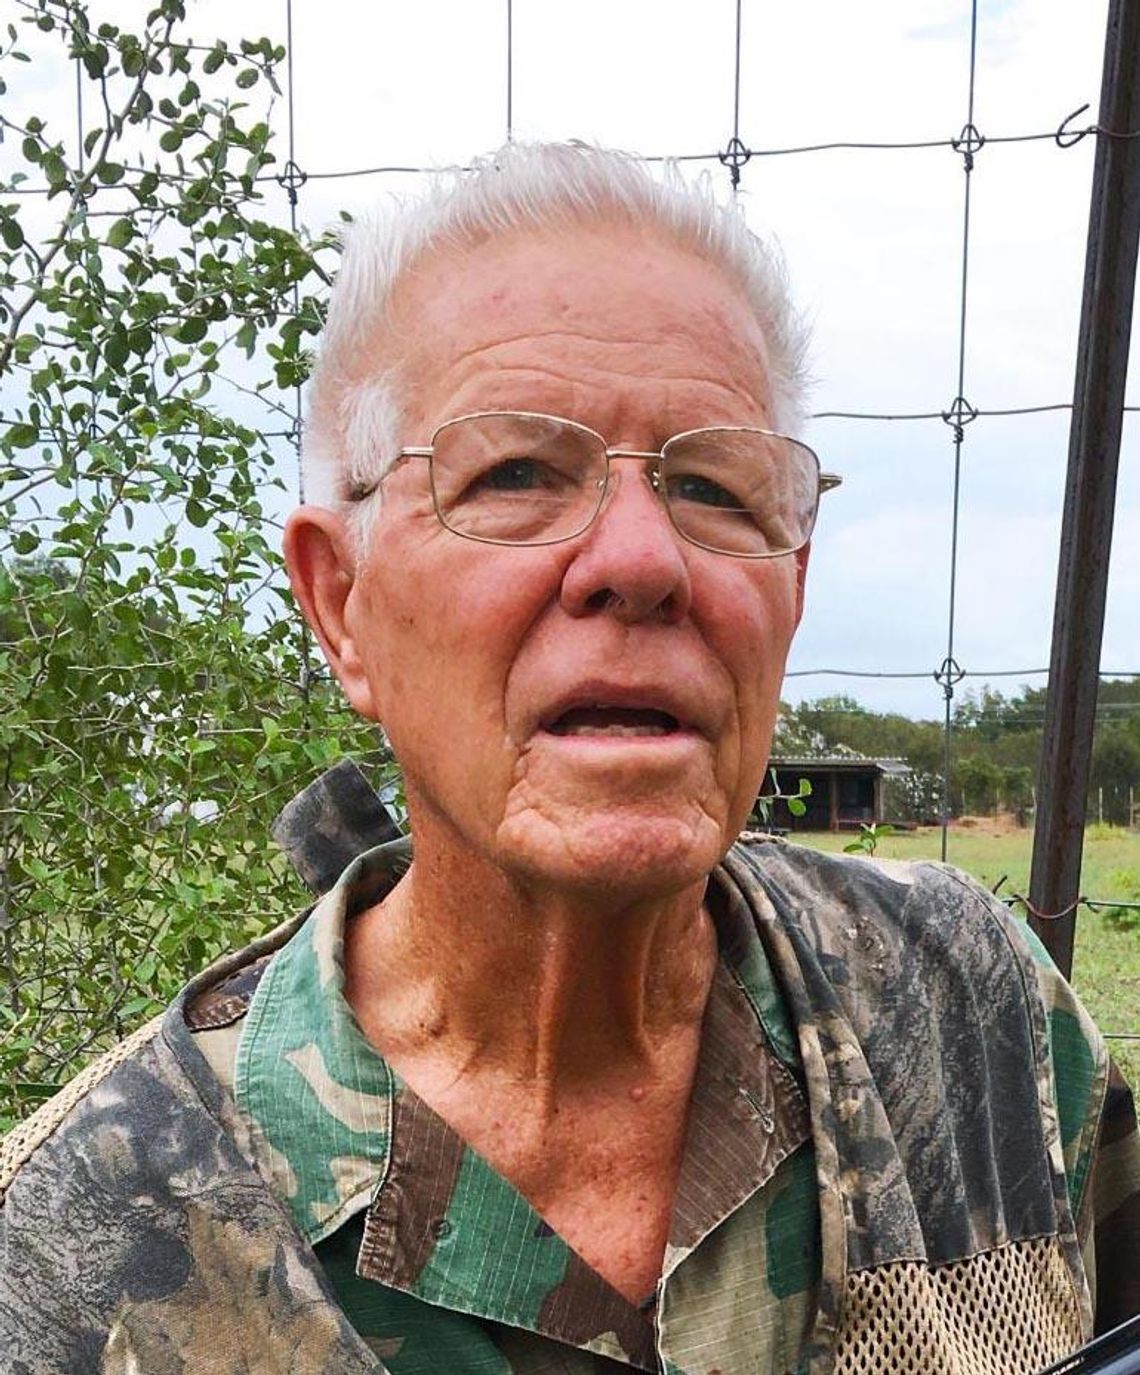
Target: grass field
[(1106, 966)]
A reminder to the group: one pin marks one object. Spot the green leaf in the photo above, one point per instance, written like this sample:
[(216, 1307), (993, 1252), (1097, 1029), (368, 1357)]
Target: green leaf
[(246, 78), (190, 331), (121, 233), (22, 436), (196, 514), (171, 140), (34, 1092), (11, 233), (117, 348), (95, 61), (134, 1007), (55, 169), (110, 172)]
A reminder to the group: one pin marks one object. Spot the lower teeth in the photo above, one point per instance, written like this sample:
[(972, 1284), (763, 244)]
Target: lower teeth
[(614, 730)]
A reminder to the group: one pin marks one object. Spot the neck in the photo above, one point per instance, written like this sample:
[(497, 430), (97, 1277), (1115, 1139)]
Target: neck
[(464, 971)]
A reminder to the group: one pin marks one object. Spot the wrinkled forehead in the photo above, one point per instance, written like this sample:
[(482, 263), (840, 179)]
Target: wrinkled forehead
[(577, 311)]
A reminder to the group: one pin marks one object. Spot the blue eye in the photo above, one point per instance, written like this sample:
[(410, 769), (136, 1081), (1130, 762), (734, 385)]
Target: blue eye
[(514, 475), (702, 491)]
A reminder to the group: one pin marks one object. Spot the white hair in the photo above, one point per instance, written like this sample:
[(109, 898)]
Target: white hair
[(352, 431)]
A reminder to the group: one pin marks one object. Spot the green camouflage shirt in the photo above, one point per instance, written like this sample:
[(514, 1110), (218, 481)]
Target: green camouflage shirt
[(438, 1260), (441, 1265), (913, 1155)]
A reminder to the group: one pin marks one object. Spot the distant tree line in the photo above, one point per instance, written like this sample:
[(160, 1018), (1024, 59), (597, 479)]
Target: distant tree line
[(996, 749)]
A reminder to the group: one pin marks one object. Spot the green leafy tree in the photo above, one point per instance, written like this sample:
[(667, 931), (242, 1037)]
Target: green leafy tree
[(976, 781), (1115, 773), (996, 742), (160, 699)]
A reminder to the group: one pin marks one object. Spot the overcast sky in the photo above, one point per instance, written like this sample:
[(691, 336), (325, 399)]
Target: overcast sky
[(873, 240)]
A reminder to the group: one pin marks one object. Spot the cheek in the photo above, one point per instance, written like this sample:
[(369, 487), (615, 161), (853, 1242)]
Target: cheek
[(392, 628), (441, 634), (756, 636)]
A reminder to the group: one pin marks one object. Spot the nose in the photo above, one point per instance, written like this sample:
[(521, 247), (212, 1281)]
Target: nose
[(630, 562)]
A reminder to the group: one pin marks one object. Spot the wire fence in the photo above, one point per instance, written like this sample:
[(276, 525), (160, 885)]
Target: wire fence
[(737, 159)]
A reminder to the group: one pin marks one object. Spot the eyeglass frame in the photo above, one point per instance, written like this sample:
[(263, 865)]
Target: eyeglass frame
[(826, 481)]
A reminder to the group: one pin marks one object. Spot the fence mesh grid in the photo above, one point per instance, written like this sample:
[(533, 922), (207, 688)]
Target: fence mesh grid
[(736, 160)]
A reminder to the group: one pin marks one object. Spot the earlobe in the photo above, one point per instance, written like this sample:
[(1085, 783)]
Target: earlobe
[(321, 561)]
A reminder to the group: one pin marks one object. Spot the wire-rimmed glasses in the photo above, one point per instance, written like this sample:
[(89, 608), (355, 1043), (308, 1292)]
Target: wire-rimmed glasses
[(521, 477)]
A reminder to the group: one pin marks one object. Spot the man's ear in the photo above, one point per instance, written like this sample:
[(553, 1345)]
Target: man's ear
[(321, 557)]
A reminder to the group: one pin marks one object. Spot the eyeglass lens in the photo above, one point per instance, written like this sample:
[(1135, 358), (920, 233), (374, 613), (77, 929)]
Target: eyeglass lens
[(519, 479)]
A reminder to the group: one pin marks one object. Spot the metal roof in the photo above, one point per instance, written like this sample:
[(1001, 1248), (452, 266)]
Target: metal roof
[(839, 763)]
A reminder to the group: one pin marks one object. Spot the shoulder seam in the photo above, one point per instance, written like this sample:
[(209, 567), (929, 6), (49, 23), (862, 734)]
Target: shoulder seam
[(21, 1143)]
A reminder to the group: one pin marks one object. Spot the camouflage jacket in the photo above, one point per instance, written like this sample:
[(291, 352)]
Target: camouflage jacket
[(139, 1231)]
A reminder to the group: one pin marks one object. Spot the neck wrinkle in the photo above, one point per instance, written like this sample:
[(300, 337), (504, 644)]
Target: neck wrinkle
[(569, 994)]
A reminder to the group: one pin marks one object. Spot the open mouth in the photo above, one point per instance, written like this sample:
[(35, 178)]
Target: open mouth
[(616, 721)]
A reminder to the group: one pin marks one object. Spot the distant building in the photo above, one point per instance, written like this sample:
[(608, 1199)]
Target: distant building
[(846, 792)]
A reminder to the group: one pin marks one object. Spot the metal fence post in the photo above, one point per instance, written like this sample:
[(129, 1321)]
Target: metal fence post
[(1090, 488)]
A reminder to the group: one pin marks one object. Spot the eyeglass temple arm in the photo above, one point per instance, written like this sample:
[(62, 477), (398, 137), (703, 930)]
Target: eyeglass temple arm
[(829, 481), (362, 491)]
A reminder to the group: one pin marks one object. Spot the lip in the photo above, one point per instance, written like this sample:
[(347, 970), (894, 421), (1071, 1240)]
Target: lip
[(688, 715)]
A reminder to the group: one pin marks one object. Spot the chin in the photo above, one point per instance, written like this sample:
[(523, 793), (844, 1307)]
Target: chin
[(626, 852)]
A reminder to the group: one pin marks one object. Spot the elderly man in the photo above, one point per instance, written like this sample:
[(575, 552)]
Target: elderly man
[(586, 1085)]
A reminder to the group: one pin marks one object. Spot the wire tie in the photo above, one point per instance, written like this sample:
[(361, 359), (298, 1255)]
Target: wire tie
[(1066, 137), (1047, 916), (1112, 133), (292, 179), (734, 157), (968, 142), (950, 672), (959, 414)]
